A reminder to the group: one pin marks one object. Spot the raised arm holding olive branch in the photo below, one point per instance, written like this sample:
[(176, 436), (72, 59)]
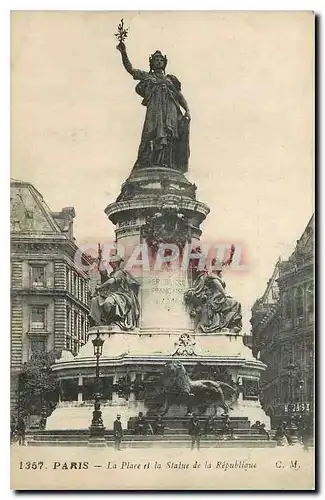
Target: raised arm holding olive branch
[(165, 135)]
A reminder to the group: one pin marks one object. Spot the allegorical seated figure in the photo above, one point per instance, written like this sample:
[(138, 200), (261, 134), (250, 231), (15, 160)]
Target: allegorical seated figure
[(116, 299), (165, 134), (210, 305)]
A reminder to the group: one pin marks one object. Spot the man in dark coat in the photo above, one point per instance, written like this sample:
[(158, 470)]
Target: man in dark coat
[(21, 431), (227, 428), (13, 428), (118, 432), (141, 424), (194, 431)]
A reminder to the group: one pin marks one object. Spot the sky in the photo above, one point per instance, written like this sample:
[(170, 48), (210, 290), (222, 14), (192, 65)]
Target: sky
[(76, 120)]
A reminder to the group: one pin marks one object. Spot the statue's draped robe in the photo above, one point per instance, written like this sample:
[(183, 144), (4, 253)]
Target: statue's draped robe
[(218, 310), (118, 303), (165, 134)]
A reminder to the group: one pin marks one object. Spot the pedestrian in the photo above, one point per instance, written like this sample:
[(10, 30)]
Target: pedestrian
[(257, 425), (13, 428), (118, 433), (194, 431), (21, 431), (305, 436), (141, 424), (262, 430), (158, 426), (208, 426), (280, 435), (227, 428)]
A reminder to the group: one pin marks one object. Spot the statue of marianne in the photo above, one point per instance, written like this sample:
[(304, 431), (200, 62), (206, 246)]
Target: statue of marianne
[(165, 135)]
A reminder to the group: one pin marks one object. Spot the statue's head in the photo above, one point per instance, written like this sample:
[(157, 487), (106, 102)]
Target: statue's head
[(216, 267), (157, 61), (115, 261)]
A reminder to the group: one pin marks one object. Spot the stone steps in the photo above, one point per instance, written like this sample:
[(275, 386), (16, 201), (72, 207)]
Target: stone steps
[(175, 436), (168, 440), (165, 437), (169, 434), (182, 443)]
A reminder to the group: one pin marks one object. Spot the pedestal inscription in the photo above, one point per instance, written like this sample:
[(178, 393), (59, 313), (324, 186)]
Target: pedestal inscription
[(163, 301)]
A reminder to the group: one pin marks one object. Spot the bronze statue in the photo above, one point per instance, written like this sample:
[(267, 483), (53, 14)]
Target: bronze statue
[(210, 305), (116, 299), (179, 389), (165, 135)]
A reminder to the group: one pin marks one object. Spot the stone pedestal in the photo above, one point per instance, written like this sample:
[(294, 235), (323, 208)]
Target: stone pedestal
[(156, 206)]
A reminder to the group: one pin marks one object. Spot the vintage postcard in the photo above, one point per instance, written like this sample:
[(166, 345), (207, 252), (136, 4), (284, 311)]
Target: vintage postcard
[(162, 250)]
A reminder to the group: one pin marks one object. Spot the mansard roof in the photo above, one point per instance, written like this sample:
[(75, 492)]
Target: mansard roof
[(30, 215)]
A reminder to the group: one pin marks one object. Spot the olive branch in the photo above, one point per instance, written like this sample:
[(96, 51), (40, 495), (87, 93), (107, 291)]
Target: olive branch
[(122, 32)]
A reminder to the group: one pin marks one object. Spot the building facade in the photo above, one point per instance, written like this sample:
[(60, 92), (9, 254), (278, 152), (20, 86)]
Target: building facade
[(283, 333), (49, 290)]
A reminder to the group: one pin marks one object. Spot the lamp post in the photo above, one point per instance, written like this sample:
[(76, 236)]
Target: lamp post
[(97, 429), (301, 384), (43, 412)]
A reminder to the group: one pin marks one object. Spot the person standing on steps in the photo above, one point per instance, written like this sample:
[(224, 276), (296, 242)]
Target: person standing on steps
[(194, 431), (118, 433)]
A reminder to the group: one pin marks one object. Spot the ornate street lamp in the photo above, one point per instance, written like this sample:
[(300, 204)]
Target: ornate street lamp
[(301, 385), (97, 429)]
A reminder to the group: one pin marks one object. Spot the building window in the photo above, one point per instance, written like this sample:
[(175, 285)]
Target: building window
[(75, 324), (68, 319), (38, 276), (67, 279), (310, 303), (285, 392), (286, 356), (82, 326), (38, 318), (299, 304), (37, 347), (68, 343), (71, 282), (75, 285), (287, 306)]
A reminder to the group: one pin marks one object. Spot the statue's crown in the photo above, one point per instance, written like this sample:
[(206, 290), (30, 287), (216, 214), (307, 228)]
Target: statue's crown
[(155, 54)]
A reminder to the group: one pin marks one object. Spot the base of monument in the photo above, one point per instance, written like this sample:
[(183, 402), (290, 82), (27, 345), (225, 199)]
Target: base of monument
[(77, 416), (143, 354)]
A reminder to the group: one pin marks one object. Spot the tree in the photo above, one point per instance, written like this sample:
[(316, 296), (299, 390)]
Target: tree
[(38, 385)]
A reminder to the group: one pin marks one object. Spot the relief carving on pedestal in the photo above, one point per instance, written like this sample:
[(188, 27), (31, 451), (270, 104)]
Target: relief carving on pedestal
[(169, 225), (185, 346), (251, 390)]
